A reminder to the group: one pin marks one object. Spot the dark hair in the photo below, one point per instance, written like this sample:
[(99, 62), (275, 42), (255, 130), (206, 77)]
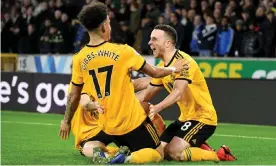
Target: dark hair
[(225, 17), (212, 17), (170, 31), (92, 16), (176, 15)]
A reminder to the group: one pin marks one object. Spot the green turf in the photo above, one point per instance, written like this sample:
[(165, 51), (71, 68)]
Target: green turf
[(32, 138)]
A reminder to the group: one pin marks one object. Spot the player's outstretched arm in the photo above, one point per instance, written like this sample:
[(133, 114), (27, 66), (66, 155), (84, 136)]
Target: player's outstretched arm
[(73, 99), (141, 83), (173, 97), (158, 72), (147, 94)]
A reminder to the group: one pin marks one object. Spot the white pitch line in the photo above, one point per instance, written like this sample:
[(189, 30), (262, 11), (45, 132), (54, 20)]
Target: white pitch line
[(31, 123), (217, 135), (242, 136)]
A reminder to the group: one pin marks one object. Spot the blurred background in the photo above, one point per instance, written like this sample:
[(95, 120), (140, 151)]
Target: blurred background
[(222, 28)]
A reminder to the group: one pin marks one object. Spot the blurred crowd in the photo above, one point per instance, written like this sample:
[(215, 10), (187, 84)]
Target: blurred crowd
[(222, 28)]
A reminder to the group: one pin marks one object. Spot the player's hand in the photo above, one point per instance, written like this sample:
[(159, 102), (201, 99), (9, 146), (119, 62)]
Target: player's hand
[(64, 130), (181, 64), (154, 109), (99, 108), (93, 106)]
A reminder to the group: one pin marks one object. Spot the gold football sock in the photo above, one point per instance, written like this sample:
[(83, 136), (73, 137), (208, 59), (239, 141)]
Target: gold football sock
[(112, 150), (146, 155), (197, 154)]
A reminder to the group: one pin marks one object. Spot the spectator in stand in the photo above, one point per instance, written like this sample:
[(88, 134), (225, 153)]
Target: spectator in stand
[(27, 3), (235, 8), (191, 14), (175, 23), (260, 15), (217, 16), (194, 5), (29, 43), (115, 33), (126, 35), (268, 28), (188, 30), (57, 18), (23, 12), (66, 31), (78, 38), (212, 3), (45, 46), (56, 40), (231, 15), (194, 48), (146, 28), (168, 11), (204, 6), (248, 6), (17, 29), (162, 20), (5, 34), (236, 50), (206, 37), (51, 5), (60, 6), (135, 17), (224, 39), (246, 19), (178, 4), (42, 13), (252, 45), (30, 19), (152, 12), (218, 6), (123, 12)]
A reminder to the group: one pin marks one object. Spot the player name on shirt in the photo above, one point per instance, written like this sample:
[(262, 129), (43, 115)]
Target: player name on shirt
[(100, 53)]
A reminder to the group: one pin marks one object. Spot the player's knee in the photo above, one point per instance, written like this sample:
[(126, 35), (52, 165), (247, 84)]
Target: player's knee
[(175, 148), (88, 147), (172, 153)]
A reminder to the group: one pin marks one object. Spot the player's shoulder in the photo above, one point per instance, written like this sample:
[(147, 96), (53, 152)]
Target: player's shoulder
[(117, 46), (183, 55), (80, 53)]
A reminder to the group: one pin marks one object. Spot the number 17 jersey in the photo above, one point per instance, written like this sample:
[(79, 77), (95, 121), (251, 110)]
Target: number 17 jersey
[(105, 68)]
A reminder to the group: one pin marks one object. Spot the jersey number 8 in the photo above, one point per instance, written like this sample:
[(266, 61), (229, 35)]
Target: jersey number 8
[(107, 69), (185, 126)]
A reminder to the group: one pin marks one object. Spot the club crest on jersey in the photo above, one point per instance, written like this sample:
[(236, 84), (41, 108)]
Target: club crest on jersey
[(184, 73), (172, 77)]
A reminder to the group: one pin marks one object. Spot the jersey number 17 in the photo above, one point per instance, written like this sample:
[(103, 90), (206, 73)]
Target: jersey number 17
[(107, 69)]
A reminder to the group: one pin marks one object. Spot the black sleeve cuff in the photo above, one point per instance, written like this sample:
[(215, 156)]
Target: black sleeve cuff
[(190, 81), (155, 84), (143, 65), (84, 94), (77, 84)]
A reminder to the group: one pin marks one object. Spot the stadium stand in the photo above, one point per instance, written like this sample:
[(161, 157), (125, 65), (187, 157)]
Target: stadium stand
[(37, 26)]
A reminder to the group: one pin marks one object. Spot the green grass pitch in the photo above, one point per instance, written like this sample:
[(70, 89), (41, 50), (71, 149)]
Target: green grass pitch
[(32, 138)]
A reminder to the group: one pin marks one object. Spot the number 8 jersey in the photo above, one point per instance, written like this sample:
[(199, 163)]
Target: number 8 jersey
[(105, 68)]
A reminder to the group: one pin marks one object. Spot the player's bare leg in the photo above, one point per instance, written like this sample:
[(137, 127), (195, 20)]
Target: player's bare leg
[(88, 148), (180, 150), (99, 153)]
